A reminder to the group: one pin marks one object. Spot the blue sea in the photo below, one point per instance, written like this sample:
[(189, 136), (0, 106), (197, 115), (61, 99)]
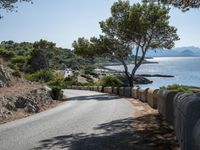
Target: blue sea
[(185, 69)]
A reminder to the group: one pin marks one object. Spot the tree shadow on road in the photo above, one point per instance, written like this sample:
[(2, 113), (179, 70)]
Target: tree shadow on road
[(143, 133), (98, 97)]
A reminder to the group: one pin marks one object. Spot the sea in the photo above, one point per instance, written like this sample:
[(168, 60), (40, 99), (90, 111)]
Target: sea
[(186, 71)]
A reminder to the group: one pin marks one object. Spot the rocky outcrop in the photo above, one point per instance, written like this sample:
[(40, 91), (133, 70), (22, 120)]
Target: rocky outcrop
[(5, 76), (31, 102)]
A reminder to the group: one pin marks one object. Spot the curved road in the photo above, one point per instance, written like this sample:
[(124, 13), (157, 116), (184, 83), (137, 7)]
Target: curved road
[(86, 121)]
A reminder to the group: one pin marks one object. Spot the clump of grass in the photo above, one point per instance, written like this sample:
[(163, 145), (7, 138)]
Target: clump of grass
[(178, 87), (110, 81)]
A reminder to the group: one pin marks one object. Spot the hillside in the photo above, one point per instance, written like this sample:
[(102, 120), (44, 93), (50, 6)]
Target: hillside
[(176, 52)]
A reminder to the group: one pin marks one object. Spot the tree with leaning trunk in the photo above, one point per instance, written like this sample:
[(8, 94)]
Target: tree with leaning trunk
[(137, 27)]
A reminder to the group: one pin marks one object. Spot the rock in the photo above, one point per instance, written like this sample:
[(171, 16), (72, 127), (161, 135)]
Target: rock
[(5, 76), (31, 108), (11, 106), (141, 80)]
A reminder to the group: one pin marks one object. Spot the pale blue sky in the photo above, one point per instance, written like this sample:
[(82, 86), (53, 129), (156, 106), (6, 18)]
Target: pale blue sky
[(63, 21)]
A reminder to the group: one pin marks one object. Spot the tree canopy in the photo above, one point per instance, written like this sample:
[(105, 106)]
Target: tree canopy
[(184, 5), (9, 5), (137, 27)]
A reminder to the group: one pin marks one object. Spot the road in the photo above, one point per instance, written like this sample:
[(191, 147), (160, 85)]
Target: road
[(86, 121)]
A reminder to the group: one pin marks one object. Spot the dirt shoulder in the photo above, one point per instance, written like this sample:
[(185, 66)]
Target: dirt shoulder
[(151, 129)]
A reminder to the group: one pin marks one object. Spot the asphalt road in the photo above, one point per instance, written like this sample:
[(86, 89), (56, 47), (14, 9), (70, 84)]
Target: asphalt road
[(86, 121)]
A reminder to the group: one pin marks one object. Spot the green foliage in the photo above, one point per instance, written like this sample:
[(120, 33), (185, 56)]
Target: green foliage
[(184, 5), (6, 54), (12, 66), (17, 74), (179, 88), (56, 93), (110, 81), (45, 75), (57, 81), (19, 59), (141, 27), (89, 69)]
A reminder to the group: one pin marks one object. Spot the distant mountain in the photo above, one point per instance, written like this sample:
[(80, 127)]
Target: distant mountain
[(176, 52)]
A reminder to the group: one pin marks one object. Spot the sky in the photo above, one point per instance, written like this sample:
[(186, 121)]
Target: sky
[(63, 21)]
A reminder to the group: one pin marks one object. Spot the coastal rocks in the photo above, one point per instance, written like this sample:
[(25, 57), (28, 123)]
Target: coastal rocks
[(141, 80), (30, 102)]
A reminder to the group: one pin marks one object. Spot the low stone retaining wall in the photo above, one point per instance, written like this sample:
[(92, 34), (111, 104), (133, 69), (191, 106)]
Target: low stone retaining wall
[(127, 91), (180, 110), (152, 98), (107, 89), (116, 90), (196, 136), (121, 91), (142, 94), (165, 105), (187, 114), (100, 89), (135, 92)]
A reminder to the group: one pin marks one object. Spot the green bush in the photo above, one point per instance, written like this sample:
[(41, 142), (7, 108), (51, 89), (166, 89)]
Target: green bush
[(16, 73), (89, 69), (56, 93), (110, 81), (12, 66), (177, 87), (19, 59), (45, 75), (6, 54), (57, 81)]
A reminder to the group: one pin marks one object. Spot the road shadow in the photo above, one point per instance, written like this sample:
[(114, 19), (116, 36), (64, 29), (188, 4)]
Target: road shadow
[(148, 132), (98, 97)]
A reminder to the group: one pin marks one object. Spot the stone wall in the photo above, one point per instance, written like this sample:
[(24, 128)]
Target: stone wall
[(180, 110)]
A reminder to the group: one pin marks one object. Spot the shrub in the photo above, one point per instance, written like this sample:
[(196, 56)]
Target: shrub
[(56, 93), (16, 73), (19, 59), (12, 66), (177, 87), (57, 81), (45, 75), (89, 69), (110, 81)]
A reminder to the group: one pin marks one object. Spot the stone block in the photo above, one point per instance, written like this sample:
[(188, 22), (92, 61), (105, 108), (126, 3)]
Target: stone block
[(121, 91), (135, 92), (127, 91), (196, 136), (116, 90), (187, 115), (165, 105), (152, 98), (100, 89), (107, 90), (142, 94)]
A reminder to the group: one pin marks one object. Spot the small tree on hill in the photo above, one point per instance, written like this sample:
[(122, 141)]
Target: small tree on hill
[(141, 27)]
